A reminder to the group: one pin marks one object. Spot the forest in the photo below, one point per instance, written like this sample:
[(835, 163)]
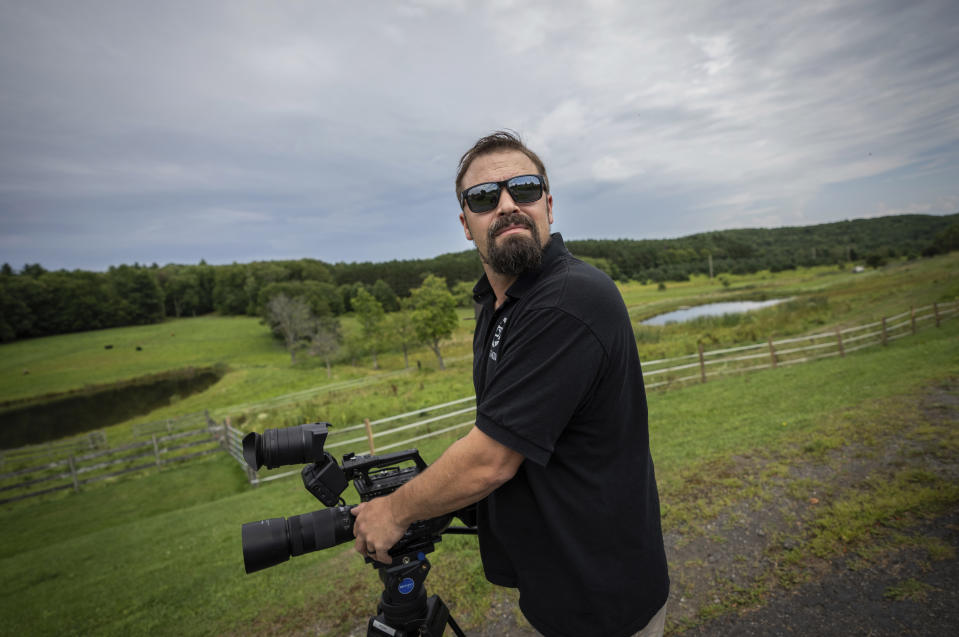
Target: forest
[(38, 302)]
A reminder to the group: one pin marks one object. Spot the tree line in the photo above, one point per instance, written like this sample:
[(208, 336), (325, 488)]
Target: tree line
[(744, 251), (426, 317), (38, 302)]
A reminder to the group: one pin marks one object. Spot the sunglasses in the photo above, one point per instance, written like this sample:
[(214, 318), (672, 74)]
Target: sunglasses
[(485, 197)]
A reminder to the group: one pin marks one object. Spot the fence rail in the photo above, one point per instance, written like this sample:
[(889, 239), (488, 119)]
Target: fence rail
[(702, 366), (77, 470), (62, 448), (424, 423)]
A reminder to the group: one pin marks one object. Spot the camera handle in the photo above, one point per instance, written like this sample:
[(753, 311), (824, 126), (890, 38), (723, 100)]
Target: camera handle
[(404, 609)]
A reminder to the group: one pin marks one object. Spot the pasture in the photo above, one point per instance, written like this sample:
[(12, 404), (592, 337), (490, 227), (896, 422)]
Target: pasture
[(160, 553)]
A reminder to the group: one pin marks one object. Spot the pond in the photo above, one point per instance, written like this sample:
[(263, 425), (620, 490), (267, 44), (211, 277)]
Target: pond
[(709, 309), (79, 412)]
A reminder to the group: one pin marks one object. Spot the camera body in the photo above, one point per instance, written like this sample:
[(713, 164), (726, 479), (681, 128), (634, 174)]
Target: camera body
[(269, 542)]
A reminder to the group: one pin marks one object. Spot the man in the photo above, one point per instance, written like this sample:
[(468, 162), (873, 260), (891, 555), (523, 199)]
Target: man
[(559, 457)]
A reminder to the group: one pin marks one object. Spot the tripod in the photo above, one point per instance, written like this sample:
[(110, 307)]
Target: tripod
[(404, 609)]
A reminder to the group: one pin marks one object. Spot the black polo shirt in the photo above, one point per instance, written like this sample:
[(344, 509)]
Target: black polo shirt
[(558, 379)]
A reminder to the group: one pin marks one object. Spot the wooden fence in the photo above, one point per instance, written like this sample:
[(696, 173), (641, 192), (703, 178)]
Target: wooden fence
[(381, 435), (703, 365), (422, 423), (58, 448), (77, 470)]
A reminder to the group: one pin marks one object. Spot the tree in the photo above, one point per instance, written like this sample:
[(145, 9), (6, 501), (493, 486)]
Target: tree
[(463, 293), (399, 325), (875, 260), (229, 296), (385, 295), (181, 287), (206, 281), (323, 298), (370, 314), (258, 275), (138, 299), (434, 313), (16, 319), (292, 320), (945, 241), (325, 340)]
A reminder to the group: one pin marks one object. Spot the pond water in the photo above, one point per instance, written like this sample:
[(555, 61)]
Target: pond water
[(86, 411), (709, 309)]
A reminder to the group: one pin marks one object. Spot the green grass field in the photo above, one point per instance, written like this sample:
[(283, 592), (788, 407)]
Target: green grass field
[(160, 553)]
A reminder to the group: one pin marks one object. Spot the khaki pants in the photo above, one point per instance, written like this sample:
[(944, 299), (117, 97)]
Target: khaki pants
[(655, 626)]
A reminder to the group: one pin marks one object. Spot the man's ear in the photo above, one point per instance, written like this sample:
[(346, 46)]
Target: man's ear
[(466, 228), (549, 209)]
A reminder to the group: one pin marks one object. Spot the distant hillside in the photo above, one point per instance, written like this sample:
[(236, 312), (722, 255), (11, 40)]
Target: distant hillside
[(750, 250), (37, 302), (736, 251)]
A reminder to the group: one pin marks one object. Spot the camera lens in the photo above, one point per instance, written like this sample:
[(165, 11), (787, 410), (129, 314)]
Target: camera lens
[(292, 445), (265, 543), (272, 541)]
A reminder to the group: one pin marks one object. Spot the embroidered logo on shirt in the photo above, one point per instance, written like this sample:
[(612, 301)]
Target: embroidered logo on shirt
[(497, 337)]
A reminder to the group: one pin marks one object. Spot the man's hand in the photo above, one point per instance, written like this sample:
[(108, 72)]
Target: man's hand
[(376, 529), (468, 471)]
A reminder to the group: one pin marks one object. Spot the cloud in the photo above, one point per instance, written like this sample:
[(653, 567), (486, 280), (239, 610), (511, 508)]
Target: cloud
[(343, 123)]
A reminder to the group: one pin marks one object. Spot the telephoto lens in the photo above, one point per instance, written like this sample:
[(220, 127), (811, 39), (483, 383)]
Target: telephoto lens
[(269, 542), (291, 445)]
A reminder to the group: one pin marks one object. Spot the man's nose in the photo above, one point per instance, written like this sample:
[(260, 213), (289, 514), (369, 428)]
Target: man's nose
[(506, 204)]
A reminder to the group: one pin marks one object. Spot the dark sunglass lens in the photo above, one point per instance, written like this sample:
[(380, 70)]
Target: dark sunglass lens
[(482, 198), (525, 189)]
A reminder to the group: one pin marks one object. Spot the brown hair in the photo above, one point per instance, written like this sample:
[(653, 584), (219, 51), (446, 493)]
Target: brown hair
[(496, 142)]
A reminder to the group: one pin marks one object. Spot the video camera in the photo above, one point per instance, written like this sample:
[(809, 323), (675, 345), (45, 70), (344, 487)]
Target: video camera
[(403, 607)]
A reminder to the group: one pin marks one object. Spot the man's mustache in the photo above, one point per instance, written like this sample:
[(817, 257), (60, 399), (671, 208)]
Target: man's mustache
[(512, 219)]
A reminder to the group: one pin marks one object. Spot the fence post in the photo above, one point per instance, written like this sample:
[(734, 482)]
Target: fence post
[(702, 363), (935, 308), (220, 433), (885, 336), (912, 318), (156, 449), (772, 352), (369, 435), (842, 351), (73, 474)]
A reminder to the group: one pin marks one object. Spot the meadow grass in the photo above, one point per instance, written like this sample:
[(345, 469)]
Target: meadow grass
[(162, 554), (66, 362), (259, 368)]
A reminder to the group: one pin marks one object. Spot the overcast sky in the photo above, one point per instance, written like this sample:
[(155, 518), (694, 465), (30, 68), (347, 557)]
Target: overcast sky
[(163, 131)]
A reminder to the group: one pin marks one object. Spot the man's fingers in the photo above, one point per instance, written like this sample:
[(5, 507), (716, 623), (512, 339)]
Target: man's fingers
[(360, 546)]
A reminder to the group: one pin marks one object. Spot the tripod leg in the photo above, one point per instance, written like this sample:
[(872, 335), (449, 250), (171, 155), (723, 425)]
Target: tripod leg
[(456, 627)]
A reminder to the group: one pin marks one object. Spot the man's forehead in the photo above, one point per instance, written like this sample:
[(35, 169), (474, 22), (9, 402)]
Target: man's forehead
[(497, 166)]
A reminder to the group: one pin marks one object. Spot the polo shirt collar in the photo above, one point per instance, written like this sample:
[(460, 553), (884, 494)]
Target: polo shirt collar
[(555, 250)]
